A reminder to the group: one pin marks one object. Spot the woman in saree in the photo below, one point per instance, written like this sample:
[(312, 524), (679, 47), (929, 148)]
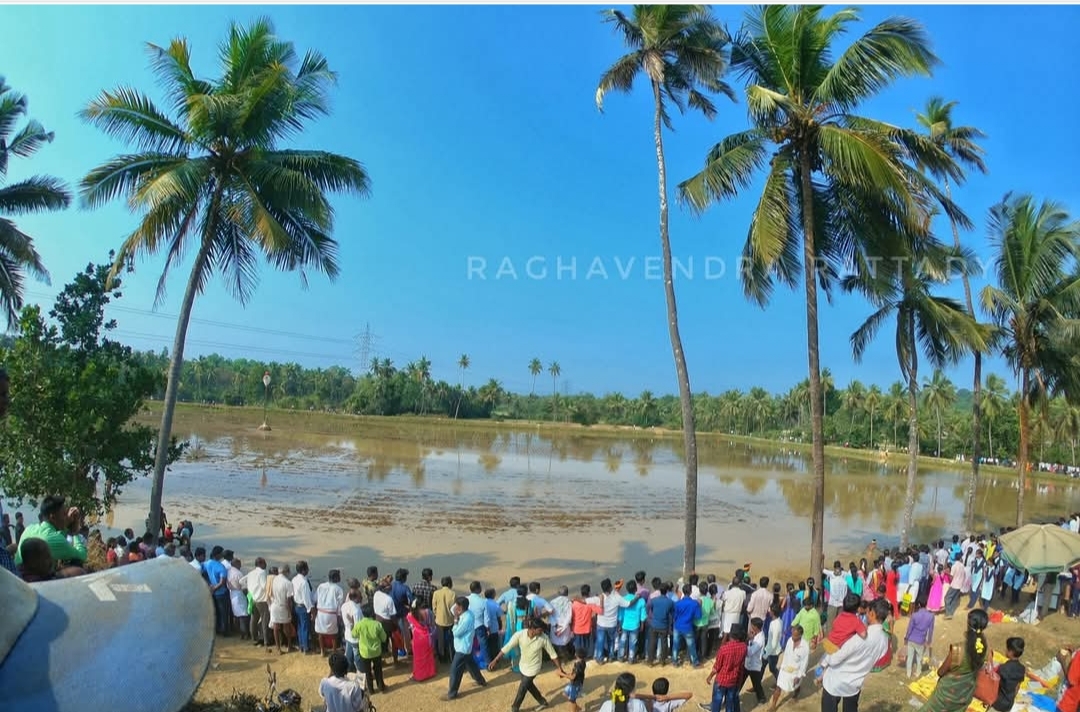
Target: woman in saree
[(421, 626), (516, 615), (956, 676)]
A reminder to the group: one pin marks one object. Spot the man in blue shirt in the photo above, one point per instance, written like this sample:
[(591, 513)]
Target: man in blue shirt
[(217, 576), (686, 611), (478, 610), (464, 632), (661, 612)]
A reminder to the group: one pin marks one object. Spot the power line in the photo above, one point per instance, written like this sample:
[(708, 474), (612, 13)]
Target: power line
[(242, 347), (221, 324)]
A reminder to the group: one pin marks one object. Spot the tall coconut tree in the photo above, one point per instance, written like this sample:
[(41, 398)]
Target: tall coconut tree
[(463, 364), (209, 175), (554, 370), (940, 327), (939, 393), (36, 194), (1036, 305), (681, 50), (1067, 428), (872, 402), (995, 399), (834, 180), (895, 408), (961, 143), (535, 369)]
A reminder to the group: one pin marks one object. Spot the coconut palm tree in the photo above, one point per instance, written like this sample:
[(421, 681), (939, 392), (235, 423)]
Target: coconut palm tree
[(831, 174), (535, 369), (995, 397), (853, 399), (1036, 305), (872, 402), (209, 175), (938, 326), (31, 195), (960, 143), (895, 408), (837, 183), (1067, 427), (682, 52), (463, 364), (939, 394), (555, 370)]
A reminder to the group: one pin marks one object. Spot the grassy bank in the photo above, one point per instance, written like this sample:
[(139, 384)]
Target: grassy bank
[(317, 421)]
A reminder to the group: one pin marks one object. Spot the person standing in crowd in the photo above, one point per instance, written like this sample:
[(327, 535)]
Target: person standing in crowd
[(303, 606), (727, 672), (255, 582), (329, 598), (464, 632), (442, 605), (845, 670)]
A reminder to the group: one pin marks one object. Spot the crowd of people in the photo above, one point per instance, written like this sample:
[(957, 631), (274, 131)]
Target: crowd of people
[(750, 630)]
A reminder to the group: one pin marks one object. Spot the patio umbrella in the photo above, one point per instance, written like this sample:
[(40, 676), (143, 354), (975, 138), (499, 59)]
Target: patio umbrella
[(1041, 548)]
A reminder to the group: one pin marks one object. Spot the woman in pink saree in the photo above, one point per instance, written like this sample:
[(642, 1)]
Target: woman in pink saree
[(419, 621)]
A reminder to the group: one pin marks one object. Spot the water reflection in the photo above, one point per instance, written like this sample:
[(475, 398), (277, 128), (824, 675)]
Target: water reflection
[(334, 459)]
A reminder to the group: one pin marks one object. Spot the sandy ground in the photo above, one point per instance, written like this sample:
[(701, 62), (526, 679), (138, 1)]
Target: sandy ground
[(239, 666)]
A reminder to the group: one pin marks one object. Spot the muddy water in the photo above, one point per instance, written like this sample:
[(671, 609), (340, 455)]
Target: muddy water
[(488, 502)]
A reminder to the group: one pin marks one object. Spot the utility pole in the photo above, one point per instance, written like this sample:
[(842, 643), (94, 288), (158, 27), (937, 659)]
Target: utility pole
[(365, 347)]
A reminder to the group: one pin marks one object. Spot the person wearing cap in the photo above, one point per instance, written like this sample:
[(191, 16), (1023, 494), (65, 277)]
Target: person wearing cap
[(47, 629), (56, 521)]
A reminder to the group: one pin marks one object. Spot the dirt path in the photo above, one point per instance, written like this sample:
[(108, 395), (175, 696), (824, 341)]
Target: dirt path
[(239, 666)]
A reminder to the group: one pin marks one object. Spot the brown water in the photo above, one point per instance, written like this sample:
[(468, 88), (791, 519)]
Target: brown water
[(488, 502)]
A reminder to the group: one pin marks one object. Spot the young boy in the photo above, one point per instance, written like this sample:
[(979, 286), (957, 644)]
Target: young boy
[(339, 692), (576, 676), (370, 636), (664, 702), (1012, 672), (846, 625)]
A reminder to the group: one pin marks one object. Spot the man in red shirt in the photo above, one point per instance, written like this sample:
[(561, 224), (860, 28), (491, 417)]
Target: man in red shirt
[(727, 673), (1070, 701)]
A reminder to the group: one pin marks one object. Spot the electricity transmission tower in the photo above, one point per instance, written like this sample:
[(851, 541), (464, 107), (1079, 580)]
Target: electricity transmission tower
[(365, 347)]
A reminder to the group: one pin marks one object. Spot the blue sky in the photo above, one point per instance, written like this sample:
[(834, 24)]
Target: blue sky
[(479, 130)]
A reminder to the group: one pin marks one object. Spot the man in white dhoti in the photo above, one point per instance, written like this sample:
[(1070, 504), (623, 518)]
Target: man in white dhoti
[(328, 599), (237, 595)]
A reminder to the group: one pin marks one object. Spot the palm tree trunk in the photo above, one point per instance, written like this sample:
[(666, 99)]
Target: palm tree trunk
[(172, 388), (913, 446), (990, 437), (871, 428), (1022, 455), (976, 405), (685, 399), (461, 389), (554, 399), (937, 412), (813, 357)]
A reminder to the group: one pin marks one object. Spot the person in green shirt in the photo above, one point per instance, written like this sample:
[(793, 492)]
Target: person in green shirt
[(57, 521), (370, 636), (810, 620)]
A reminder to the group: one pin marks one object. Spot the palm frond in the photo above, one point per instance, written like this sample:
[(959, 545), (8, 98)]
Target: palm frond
[(33, 195), (618, 77), (864, 335), (729, 166), (772, 244), (892, 49), (17, 257), (130, 116)]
